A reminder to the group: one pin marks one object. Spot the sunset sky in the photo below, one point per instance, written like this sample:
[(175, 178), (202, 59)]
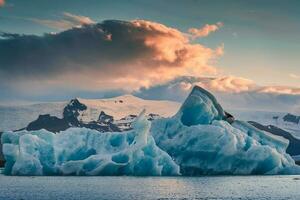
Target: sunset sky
[(76, 47)]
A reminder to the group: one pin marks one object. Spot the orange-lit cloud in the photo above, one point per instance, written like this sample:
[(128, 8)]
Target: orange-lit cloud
[(2, 2), (229, 84), (232, 84), (231, 92), (205, 30), (112, 54)]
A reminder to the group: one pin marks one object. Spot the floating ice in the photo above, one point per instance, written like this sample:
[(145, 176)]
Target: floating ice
[(81, 151), (201, 141)]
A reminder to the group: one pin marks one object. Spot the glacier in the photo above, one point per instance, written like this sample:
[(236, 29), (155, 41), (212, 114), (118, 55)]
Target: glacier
[(201, 139)]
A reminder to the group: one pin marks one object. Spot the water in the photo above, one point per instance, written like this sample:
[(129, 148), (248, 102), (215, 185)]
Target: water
[(225, 187)]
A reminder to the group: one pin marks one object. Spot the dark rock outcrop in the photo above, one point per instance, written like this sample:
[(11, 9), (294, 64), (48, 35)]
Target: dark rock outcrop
[(70, 119), (50, 123), (229, 117), (101, 127), (291, 118), (153, 116)]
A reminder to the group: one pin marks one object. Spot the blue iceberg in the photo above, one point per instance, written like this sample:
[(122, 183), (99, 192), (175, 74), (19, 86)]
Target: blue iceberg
[(201, 139), (81, 151)]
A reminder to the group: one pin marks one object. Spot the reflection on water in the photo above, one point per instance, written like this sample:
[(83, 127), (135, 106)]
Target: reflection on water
[(227, 187)]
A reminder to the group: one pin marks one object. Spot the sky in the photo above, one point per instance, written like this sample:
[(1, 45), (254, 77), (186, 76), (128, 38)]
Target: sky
[(94, 48)]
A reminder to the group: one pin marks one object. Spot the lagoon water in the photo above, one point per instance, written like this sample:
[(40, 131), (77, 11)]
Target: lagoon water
[(217, 187)]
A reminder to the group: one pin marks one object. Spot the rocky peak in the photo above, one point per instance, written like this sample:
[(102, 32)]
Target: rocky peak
[(200, 107), (104, 118), (71, 111)]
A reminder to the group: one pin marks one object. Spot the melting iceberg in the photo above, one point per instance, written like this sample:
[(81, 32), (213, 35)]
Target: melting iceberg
[(201, 139), (81, 151)]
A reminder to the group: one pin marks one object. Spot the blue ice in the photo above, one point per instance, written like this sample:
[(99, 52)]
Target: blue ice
[(81, 151), (202, 141)]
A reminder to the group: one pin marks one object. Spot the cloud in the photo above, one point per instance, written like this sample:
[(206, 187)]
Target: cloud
[(69, 21), (180, 86), (2, 2), (112, 54), (232, 84), (229, 84), (294, 76), (250, 96), (280, 90), (82, 20), (205, 30)]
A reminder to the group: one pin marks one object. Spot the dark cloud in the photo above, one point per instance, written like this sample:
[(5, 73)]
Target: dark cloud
[(75, 49), (111, 54)]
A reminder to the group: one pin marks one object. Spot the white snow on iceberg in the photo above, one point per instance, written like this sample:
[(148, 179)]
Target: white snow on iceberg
[(203, 139), (81, 151)]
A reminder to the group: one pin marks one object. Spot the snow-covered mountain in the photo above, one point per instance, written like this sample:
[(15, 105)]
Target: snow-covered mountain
[(121, 108), (126, 105)]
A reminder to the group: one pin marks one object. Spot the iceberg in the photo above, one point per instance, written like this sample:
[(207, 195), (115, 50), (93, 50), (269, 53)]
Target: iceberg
[(82, 151), (203, 139)]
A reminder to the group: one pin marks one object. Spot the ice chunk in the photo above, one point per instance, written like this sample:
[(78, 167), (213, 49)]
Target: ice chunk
[(81, 151), (201, 141), (200, 107)]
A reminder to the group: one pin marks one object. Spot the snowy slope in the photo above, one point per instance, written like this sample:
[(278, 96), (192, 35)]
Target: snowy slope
[(15, 117), (125, 105), (268, 118), (19, 116)]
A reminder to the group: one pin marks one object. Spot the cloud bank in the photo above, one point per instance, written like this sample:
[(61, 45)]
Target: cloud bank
[(112, 54), (117, 57), (232, 92)]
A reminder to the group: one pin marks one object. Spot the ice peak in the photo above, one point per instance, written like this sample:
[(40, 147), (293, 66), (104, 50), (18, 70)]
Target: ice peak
[(201, 107)]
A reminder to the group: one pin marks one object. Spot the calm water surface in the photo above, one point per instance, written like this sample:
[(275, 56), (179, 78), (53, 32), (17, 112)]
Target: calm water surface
[(224, 187)]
